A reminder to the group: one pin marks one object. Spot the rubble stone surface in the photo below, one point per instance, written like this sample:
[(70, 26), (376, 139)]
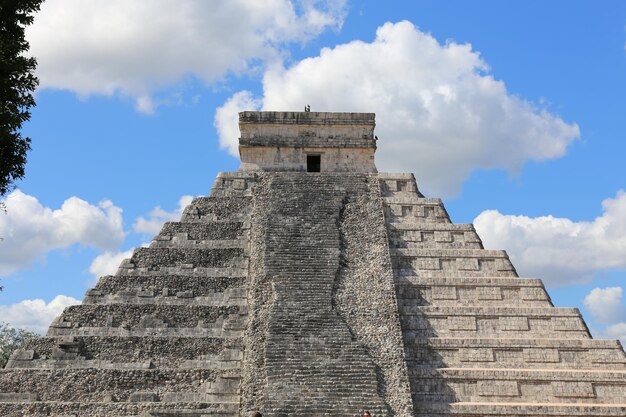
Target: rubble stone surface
[(315, 293)]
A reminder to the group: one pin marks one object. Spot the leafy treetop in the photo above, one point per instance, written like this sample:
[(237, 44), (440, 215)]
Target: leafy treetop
[(12, 339), (17, 82)]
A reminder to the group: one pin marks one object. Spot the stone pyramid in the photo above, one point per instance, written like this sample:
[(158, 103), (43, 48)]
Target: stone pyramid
[(315, 293)]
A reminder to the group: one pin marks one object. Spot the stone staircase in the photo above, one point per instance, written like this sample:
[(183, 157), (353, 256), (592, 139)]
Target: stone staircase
[(479, 341), (315, 363), (162, 337)]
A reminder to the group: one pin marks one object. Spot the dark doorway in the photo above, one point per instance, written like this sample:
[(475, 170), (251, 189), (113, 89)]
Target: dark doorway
[(313, 163)]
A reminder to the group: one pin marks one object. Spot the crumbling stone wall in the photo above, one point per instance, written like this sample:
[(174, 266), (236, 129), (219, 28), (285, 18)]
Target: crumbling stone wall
[(98, 385), (261, 297), (144, 408), (365, 294), (197, 285), (216, 231), (159, 351), (133, 315), (151, 258)]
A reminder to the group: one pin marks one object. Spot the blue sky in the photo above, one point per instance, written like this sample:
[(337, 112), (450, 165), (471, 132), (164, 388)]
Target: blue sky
[(512, 111)]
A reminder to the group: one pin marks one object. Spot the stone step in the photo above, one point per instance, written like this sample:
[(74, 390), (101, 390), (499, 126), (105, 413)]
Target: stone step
[(515, 409), (319, 403), (157, 258), (515, 353), (164, 285), (229, 297), (397, 184), (129, 316), (433, 235), (238, 269), (117, 409), (228, 184), (448, 253), (468, 291), (181, 242), (227, 359), (413, 199), (82, 363), (361, 378), (207, 231), (432, 227), (117, 385), (451, 263), (210, 209), (314, 404), (128, 270), (138, 352), (404, 271), (413, 209), (486, 281), (295, 246), (505, 322), (222, 389), (222, 329), (518, 385)]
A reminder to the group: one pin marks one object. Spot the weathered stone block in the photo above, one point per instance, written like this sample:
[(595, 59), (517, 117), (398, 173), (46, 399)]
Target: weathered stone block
[(497, 388)]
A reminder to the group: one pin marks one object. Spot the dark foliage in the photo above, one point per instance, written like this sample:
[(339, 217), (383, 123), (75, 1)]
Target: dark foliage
[(17, 82)]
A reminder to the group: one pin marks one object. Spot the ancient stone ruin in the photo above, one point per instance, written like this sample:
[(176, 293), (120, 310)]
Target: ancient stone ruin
[(308, 284)]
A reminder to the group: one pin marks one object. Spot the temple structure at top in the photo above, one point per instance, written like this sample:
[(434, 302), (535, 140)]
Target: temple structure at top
[(307, 141)]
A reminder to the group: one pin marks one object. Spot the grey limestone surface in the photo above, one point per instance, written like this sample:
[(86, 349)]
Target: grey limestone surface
[(479, 340), (326, 293)]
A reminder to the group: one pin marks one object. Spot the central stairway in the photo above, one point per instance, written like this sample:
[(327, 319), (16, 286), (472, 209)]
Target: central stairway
[(314, 364)]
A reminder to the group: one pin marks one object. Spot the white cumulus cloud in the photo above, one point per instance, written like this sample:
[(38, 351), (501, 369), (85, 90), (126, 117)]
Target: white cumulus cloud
[(605, 304), (617, 331), (557, 249), (439, 113), (107, 263), (30, 230), (157, 217), (133, 47), (607, 307), (35, 315), (227, 119)]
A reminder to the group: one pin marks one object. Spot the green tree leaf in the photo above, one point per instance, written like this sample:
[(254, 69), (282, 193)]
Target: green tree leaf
[(17, 82)]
